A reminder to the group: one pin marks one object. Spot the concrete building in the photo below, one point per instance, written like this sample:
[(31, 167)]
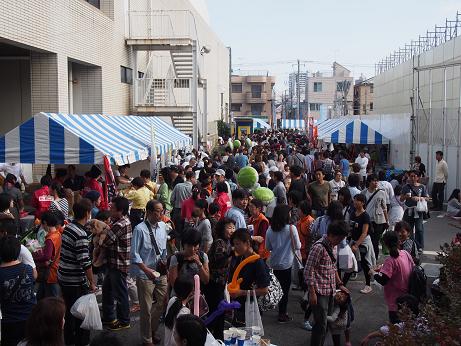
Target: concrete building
[(330, 95), (292, 86), (423, 83), (252, 95), (363, 96), (147, 57)]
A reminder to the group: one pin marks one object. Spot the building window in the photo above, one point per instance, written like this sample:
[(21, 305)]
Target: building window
[(314, 106), (140, 74), (364, 108), (372, 87), (95, 3), (126, 75), (257, 108), (339, 86), (181, 83), (371, 106), (236, 107), (317, 87), (237, 88), (256, 90)]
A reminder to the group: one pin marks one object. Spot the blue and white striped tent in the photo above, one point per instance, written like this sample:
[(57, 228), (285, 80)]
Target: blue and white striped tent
[(260, 124), (293, 124), (349, 131), (86, 138)]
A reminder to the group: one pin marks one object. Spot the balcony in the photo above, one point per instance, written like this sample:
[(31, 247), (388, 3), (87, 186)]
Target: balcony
[(251, 97)]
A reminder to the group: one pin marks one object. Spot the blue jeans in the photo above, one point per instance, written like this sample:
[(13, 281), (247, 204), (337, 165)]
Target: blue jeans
[(115, 303), (418, 225), (48, 290)]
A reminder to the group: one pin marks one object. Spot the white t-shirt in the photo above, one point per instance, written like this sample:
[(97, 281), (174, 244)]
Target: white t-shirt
[(16, 170), (26, 257), (363, 162), (335, 187), (388, 189), (169, 337)]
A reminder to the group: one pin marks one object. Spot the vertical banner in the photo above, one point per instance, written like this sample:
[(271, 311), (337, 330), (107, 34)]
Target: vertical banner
[(153, 153)]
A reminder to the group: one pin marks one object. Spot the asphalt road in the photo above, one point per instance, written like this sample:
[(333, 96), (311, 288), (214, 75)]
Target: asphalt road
[(370, 310)]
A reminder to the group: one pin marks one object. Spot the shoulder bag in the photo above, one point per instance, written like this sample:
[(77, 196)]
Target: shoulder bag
[(161, 266)]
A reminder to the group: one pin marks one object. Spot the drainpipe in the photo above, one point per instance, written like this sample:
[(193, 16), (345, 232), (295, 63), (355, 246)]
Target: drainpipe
[(194, 87)]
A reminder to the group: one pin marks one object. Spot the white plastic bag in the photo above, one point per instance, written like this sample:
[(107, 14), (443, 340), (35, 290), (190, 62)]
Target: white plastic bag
[(86, 309), (421, 206), (252, 314), (211, 341), (346, 258)]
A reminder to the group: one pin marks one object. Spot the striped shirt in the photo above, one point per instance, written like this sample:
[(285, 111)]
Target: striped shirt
[(61, 206), (118, 244), (75, 256)]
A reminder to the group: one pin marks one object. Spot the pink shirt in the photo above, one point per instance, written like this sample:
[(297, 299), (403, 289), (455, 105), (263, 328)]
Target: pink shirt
[(398, 270)]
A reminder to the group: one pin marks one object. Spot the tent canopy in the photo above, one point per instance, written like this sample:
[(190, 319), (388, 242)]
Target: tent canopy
[(260, 124), (349, 131), (58, 138), (293, 124)]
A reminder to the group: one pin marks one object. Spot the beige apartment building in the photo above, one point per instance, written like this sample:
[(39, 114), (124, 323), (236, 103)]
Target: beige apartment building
[(363, 97), (330, 94), (252, 95)]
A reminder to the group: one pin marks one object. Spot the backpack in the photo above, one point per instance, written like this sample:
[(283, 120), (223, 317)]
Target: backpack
[(417, 283), (183, 265)]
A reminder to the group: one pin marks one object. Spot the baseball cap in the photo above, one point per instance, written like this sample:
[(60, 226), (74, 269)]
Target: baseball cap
[(220, 172)]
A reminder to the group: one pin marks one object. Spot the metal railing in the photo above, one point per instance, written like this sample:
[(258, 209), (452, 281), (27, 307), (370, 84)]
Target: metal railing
[(162, 24), (158, 92)]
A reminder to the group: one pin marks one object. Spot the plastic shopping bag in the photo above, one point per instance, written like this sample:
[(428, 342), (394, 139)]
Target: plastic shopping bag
[(252, 314), (346, 259), (211, 341), (86, 309)]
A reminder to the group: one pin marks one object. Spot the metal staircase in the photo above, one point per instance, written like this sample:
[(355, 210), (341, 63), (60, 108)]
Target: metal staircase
[(169, 90), (182, 64)]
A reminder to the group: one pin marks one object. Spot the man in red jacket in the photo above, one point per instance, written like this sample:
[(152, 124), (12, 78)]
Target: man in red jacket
[(41, 200)]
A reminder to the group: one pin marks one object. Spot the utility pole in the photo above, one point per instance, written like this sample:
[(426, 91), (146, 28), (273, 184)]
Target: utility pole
[(298, 94)]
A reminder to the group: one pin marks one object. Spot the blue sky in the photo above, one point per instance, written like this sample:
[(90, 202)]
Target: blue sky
[(271, 34)]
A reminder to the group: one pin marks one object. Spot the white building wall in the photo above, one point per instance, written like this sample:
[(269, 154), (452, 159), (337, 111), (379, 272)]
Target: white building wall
[(69, 29), (438, 127)]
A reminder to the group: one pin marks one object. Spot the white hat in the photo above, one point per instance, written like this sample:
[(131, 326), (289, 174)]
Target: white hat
[(273, 169), (220, 172)]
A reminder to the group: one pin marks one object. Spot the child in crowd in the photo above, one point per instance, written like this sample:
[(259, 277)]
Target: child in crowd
[(339, 321), (177, 306), (403, 230)]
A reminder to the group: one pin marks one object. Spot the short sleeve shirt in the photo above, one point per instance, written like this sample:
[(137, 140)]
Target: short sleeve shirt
[(17, 299), (319, 194), (415, 191), (357, 222), (398, 271)]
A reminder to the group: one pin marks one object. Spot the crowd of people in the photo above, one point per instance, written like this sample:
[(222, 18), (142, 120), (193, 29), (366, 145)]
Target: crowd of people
[(145, 245)]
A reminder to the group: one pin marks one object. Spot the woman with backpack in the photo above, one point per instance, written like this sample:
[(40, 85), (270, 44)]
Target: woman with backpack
[(190, 260), (394, 274)]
